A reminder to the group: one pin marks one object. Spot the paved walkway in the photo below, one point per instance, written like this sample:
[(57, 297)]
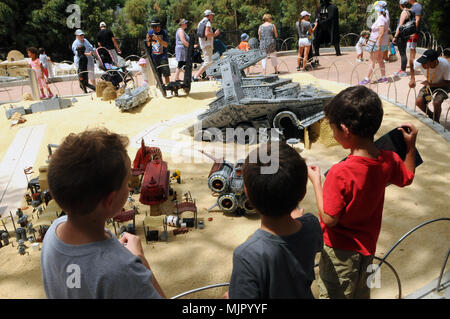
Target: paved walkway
[(342, 69)]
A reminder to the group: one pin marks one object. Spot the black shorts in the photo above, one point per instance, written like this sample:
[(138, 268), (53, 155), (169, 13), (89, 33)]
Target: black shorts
[(162, 66), (181, 64)]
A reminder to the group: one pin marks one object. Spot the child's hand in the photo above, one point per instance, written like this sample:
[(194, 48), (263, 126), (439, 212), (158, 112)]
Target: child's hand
[(314, 174), (409, 132), (132, 243)]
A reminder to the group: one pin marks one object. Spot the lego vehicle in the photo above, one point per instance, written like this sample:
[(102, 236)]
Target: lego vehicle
[(258, 102)]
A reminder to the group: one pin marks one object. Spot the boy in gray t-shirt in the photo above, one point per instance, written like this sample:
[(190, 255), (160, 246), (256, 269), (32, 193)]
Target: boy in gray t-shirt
[(88, 177), (277, 261)]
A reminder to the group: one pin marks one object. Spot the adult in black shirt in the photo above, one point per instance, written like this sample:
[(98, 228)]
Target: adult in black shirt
[(105, 38)]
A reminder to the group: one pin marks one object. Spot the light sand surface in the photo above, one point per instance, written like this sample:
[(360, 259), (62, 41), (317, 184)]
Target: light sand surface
[(204, 256)]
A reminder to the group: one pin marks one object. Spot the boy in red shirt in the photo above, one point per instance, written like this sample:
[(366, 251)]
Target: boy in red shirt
[(351, 202)]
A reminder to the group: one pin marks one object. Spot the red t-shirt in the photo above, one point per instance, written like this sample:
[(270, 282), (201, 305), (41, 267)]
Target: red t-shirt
[(354, 192)]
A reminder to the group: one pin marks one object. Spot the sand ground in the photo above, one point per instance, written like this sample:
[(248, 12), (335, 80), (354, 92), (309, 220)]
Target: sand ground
[(204, 256)]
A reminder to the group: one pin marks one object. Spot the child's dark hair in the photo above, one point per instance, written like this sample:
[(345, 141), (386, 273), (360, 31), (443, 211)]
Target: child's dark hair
[(81, 49), (33, 50), (359, 108), (85, 168), (446, 53), (276, 194), (41, 51)]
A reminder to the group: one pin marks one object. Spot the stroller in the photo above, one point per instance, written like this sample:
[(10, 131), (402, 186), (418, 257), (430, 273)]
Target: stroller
[(114, 73)]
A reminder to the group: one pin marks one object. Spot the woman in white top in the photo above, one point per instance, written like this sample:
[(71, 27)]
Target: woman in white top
[(378, 43)]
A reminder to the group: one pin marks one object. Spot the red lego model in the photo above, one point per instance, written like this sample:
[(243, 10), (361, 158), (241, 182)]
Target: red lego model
[(155, 186)]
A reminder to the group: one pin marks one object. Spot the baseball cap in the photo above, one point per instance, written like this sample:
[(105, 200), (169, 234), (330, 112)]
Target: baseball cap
[(429, 55), (403, 2), (155, 21), (305, 13), (244, 36), (79, 32), (207, 13), (183, 21), (102, 24)]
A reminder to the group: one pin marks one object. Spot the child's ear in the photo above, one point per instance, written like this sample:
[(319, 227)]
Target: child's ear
[(108, 199), (345, 129)]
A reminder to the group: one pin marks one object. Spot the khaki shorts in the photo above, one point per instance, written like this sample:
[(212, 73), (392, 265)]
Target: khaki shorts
[(207, 53), (438, 98), (343, 274)]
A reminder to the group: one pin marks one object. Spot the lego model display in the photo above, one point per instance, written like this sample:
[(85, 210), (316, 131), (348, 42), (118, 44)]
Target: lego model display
[(156, 177), (226, 180), (261, 102), (132, 98)]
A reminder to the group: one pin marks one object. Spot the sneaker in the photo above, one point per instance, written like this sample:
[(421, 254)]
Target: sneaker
[(43, 96), (358, 60), (382, 80), (50, 96), (298, 68), (194, 79), (364, 82), (401, 73)]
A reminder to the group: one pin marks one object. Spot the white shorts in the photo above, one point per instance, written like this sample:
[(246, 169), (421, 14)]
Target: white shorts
[(411, 45), (358, 49), (304, 42)]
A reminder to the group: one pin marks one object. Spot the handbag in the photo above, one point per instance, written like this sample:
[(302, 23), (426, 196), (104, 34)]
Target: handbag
[(407, 29)]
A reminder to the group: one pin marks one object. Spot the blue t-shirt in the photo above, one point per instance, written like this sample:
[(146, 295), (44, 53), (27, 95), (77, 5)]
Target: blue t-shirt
[(418, 11), (158, 50)]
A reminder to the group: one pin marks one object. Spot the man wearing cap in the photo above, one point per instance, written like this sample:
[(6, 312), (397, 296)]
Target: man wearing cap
[(158, 39), (89, 52), (206, 43), (105, 38), (437, 72)]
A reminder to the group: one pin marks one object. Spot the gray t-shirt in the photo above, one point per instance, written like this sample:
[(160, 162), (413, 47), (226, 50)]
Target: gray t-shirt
[(103, 270), (269, 266), (303, 28)]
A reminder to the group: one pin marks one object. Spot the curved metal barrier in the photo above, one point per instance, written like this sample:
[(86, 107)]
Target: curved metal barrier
[(337, 71), (345, 36), (284, 42), (200, 289), (389, 87)]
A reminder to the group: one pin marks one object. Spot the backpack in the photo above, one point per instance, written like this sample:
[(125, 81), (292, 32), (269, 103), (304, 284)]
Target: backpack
[(409, 27), (201, 30)]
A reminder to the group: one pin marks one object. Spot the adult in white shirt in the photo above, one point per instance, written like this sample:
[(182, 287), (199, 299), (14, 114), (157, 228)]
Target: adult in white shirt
[(206, 43), (437, 72)]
